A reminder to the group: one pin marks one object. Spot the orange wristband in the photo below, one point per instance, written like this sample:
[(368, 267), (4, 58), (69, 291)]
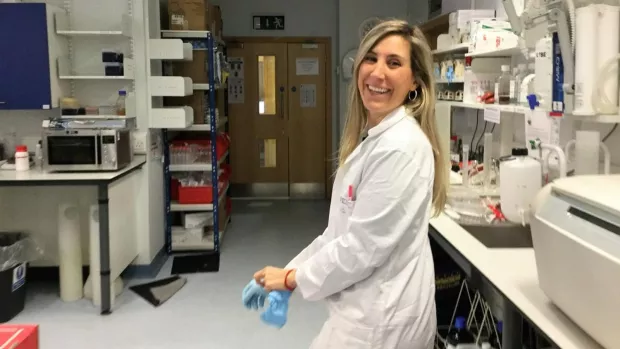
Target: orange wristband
[(286, 281)]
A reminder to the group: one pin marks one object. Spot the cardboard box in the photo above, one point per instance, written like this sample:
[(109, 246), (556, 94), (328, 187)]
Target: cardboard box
[(218, 30), (198, 101), (190, 14), (19, 336), (197, 69)]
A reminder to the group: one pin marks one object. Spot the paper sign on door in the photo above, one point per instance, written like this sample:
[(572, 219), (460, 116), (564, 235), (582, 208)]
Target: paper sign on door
[(307, 95), (307, 66)]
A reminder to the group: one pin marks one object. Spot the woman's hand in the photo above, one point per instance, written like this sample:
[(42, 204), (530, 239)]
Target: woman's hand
[(273, 279)]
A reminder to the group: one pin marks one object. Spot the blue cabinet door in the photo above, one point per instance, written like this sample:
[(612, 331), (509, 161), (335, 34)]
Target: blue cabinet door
[(24, 57)]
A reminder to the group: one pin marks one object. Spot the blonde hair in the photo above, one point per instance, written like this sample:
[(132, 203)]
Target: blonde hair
[(422, 107)]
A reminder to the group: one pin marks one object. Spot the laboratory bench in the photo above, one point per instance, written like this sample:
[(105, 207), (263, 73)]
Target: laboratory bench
[(512, 273), (102, 181)]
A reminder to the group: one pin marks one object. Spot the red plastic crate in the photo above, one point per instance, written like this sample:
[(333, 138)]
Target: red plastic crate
[(197, 195), (174, 189)]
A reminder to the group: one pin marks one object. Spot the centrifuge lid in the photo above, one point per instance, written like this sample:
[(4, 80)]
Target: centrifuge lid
[(601, 191)]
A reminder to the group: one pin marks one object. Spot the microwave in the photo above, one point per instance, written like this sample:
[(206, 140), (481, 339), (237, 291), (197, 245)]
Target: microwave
[(86, 149)]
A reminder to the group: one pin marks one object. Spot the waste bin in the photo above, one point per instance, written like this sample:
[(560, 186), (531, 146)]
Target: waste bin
[(16, 249)]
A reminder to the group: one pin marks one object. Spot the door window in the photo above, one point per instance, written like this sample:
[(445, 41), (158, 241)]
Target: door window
[(267, 85)]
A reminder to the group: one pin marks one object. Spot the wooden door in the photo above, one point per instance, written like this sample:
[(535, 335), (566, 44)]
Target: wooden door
[(307, 121), (277, 113), (259, 149)]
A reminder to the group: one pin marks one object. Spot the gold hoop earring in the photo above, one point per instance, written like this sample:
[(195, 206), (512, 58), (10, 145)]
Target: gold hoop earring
[(414, 96)]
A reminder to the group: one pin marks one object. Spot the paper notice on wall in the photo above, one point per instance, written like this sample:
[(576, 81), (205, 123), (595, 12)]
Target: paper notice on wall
[(492, 114), (538, 129), (236, 94), (307, 95), (307, 66), (236, 67)]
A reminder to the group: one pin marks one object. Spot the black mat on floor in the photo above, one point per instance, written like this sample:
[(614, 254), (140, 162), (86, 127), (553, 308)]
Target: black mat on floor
[(197, 263), (158, 292)]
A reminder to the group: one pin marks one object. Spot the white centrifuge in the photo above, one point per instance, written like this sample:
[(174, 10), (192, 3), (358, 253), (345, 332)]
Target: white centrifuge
[(576, 235)]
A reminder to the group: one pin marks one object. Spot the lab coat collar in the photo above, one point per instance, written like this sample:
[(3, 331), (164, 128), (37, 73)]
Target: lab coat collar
[(390, 120)]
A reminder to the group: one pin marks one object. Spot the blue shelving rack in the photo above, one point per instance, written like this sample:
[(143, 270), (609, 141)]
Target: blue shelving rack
[(200, 40)]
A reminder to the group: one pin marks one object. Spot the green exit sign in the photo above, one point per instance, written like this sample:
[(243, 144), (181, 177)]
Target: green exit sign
[(268, 22)]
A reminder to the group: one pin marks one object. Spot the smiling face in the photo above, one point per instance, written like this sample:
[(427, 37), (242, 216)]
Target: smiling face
[(385, 77)]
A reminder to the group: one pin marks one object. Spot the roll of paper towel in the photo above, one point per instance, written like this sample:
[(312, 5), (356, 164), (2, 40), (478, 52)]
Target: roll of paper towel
[(69, 253)]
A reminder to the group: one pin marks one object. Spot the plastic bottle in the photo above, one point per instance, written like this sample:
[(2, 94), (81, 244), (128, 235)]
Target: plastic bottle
[(521, 98), (22, 159), (459, 337), (513, 86), (520, 179), (38, 156), (504, 85), (120, 103)]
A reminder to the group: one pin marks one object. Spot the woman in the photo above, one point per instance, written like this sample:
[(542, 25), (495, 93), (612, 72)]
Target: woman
[(373, 263)]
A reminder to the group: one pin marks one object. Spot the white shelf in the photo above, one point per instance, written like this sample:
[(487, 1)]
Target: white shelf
[(204, 127), (460, 48), (96, 117), (507, 52), (445, 81), (602, 119), (96, 72), (63, 27), (185, 34), (207, 243), (170, 50), (201, 87), (170, 86), (503, 107), (172, 117), (176, 207), (204, 167)]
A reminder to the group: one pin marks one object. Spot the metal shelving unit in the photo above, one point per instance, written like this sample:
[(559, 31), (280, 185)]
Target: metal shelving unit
[(210, 243)]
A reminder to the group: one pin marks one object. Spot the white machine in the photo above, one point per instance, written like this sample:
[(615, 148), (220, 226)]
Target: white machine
[(576, 235), (574, 54)]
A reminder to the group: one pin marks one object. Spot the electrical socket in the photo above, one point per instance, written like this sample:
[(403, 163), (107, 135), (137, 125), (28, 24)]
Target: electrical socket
[(140, 142)]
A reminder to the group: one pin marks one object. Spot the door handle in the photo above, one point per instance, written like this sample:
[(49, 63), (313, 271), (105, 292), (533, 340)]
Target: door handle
[(294, 89), (282, 101), (1, 102)]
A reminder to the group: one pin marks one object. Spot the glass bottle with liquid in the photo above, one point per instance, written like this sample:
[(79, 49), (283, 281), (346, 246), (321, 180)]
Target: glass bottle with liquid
[(503, 85), (120, 103)]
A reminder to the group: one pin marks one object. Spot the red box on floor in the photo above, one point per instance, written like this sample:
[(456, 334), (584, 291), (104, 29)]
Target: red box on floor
[(19, 336)]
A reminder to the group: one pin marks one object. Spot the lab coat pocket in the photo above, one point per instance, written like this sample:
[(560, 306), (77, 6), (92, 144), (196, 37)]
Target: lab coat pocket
[(346, 206)]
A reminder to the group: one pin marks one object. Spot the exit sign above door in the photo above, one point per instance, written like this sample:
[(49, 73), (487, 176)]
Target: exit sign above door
[(268, 22)]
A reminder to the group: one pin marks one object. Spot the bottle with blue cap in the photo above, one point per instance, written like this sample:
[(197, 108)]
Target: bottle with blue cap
[(459, 337)]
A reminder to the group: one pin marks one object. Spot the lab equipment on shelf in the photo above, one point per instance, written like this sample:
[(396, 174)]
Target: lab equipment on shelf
[(576, 235), (183, 153), (587, 146)]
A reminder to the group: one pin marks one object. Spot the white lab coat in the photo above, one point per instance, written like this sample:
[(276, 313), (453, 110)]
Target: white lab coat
[(373, 263)]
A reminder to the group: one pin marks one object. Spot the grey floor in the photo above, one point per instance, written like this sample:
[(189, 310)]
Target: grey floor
[(207, 312)]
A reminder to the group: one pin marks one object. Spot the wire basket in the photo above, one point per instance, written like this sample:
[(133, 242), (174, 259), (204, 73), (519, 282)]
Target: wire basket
[(480, 320)]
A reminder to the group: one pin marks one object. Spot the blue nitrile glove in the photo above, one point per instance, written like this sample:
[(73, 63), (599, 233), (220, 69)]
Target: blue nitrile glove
[(253, 296), (275, 314)]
